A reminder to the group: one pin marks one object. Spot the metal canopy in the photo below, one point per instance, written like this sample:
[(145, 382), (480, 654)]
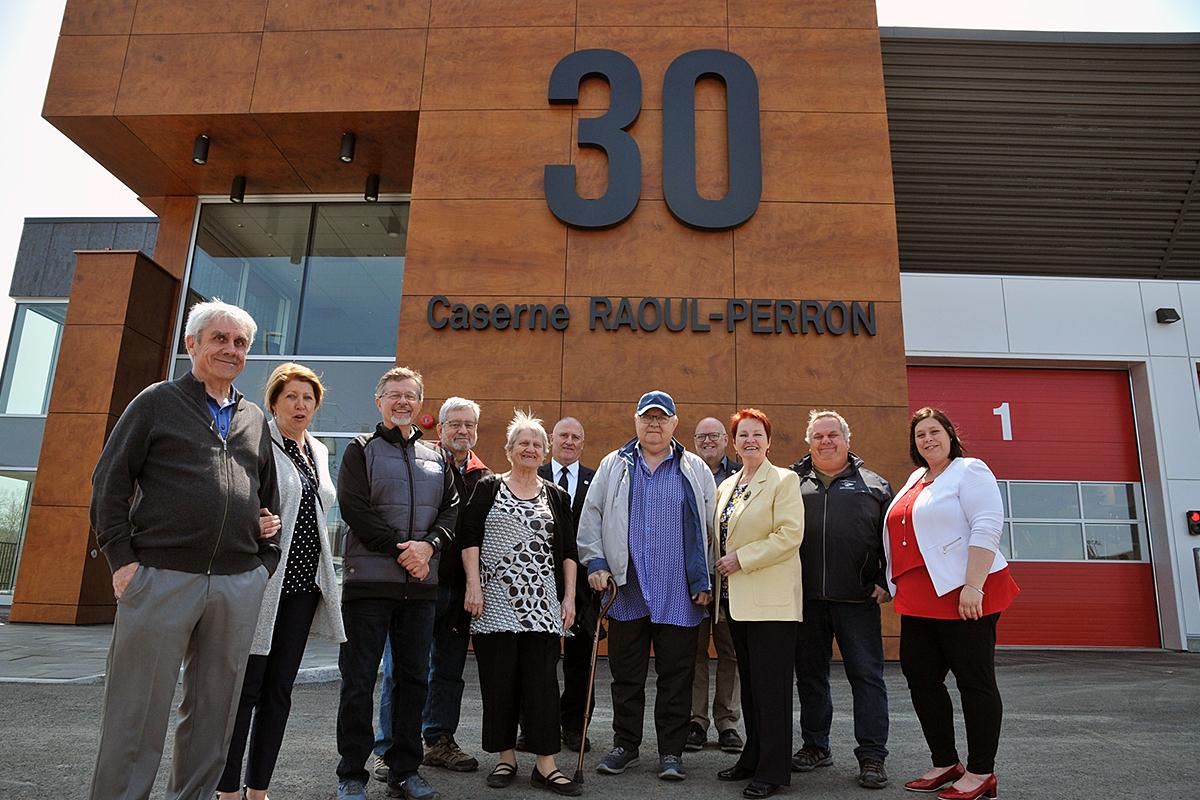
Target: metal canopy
[(1045, 153)]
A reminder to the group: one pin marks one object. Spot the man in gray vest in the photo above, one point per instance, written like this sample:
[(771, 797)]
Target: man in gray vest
[(398, 500)]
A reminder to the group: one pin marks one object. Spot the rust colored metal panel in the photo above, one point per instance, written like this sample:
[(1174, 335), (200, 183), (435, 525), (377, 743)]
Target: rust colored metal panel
[(238, 146), (362, 15), (175, 215), (178, 74), (494, 417), (809, 14), (488, 154), (652, 49), (652, 12), (85, 76), (842, 68), (501, 13), (71, 445), (826, 158), (600, 262), (443, 259), (110, 143), (212, 16), (845, 250), (95, 351), (52, 559), (98, 17), (491, 68), (386, 146), (368, 70)]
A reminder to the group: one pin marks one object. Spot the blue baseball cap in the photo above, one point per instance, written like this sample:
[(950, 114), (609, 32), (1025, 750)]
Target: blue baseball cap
[(656, 399)]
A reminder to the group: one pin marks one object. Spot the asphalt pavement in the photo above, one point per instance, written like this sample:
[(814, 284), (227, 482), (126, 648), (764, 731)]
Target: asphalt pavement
[(1076, 725)]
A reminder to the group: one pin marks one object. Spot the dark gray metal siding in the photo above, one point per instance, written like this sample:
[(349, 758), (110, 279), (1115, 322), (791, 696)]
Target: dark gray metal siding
[(1065, 154), (46, 255)]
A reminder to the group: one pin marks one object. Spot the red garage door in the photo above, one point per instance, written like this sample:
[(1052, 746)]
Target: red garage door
[(1063, 445)]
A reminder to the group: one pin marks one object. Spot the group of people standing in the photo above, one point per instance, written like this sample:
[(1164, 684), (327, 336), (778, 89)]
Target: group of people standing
[(213, 518)]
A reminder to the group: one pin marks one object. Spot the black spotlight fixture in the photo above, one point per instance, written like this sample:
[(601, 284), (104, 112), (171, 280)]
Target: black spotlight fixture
[(1167, 315), (200, 150), (371, 192), (347, 152), (237, 192)]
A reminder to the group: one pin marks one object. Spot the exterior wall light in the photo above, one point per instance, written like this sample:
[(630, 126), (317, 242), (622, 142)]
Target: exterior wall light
[(237, 192), (200, 150), (371, 191), (347, 152), (1167, 315)]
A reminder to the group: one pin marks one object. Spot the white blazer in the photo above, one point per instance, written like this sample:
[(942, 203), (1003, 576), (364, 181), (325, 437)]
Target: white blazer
[(960, 509)]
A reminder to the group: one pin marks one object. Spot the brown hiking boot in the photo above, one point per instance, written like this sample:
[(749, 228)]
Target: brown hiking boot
[(446, 753)]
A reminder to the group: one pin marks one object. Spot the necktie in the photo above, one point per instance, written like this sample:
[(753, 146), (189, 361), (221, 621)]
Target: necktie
[(563, 482)]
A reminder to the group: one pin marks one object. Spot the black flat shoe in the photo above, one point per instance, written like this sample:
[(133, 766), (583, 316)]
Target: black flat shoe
[(759, 789), (735, 773), (502, 775), (555, 782)]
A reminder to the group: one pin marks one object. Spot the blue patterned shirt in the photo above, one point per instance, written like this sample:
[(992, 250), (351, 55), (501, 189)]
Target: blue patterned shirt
[(656, 585)]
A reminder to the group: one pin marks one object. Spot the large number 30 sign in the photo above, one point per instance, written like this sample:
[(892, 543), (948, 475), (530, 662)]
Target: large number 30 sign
[(609, 132)]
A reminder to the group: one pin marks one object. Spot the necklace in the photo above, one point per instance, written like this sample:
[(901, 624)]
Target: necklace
[(908, 507)]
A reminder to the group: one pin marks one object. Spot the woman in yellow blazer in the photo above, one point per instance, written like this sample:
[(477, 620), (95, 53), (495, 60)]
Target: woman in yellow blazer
[(758, 527)]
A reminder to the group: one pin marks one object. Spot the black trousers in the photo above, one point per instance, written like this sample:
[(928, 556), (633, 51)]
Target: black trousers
[(518, 678), (929, 648), (577, 665), (766, 670), (674, 662), (266, 700)]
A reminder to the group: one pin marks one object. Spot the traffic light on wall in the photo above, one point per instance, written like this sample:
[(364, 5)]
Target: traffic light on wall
[(1193, 518)]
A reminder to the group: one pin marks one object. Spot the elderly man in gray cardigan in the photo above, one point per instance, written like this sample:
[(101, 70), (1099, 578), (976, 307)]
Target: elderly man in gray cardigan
[(302, 597)]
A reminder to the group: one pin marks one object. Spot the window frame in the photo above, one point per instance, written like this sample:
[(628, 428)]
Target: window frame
[(1140, 523), (21, 306)]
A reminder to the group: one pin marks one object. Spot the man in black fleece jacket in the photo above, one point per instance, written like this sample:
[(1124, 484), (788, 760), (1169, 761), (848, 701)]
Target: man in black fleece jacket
[(182, 497)]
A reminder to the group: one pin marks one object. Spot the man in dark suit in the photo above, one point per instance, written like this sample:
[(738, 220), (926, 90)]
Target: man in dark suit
[(566, 446)]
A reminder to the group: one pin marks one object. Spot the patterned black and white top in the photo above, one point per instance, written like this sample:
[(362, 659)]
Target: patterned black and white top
[(736, 500), (304, 552), (516, 567)]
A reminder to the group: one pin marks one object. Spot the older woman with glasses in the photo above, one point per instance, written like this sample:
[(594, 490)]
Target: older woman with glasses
[(518, 549), (303, 595)]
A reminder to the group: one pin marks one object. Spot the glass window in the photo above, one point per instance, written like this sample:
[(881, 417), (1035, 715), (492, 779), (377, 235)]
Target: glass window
[(355, 270), (32, 356), (14, 504), (318, 279), (1044, 500), (1042, 541), (1109, 501), (333, 516), (1114, 542), (1006, 541), (1004, 495)]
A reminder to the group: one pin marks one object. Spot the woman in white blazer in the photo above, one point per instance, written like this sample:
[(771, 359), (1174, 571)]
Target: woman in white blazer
[(756, 547), (302, 596), (950, 584)]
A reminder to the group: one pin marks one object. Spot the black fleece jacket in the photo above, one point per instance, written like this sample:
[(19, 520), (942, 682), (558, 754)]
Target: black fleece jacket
[(170, 493)]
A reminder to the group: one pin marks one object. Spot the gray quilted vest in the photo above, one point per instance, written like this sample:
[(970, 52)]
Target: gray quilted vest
[(406, 490)]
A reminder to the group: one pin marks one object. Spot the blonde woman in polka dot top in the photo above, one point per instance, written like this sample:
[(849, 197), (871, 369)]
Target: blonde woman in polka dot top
[(302, 596)]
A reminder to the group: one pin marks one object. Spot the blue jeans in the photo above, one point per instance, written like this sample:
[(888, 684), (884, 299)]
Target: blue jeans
[(857, 628), (383, 733), (447, 659), (370, 623)]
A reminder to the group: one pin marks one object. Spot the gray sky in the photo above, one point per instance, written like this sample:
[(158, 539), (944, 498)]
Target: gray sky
[(37, 162)]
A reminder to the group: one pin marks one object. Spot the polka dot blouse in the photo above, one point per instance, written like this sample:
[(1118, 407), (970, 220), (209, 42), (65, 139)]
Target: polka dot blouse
[(300, 575)]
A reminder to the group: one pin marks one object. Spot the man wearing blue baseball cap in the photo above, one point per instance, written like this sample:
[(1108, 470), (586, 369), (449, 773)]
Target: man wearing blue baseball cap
[(645, 525)]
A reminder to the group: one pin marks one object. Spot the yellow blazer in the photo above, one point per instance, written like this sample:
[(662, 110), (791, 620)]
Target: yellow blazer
[(766, 532)]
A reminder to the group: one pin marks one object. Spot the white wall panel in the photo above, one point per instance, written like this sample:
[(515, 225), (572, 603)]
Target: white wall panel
[(1074, 317), (1174, 386), (953, 313), (1185, 495), (1189, 295), (1164, 339)]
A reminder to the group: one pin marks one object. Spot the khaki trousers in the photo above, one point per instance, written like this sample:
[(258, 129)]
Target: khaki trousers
[(727, 701)]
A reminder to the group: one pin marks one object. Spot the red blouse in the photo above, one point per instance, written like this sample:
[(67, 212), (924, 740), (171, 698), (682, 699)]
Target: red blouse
[(915, 595)]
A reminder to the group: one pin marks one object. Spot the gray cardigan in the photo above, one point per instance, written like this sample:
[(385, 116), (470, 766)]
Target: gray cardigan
[(328, 619)]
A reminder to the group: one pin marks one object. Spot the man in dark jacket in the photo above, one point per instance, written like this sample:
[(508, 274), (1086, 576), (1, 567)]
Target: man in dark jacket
[(398, 500), (189, 561), (565, 469), (843, 563)]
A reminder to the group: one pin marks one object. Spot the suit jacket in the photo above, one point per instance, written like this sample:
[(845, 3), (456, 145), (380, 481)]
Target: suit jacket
[(581, 489), (766, 532), (587, 602)]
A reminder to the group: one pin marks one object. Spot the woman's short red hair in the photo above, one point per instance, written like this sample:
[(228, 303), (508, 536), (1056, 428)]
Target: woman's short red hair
[(749, 413)]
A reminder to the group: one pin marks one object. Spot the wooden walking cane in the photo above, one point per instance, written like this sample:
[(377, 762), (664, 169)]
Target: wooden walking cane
[(610, 597)]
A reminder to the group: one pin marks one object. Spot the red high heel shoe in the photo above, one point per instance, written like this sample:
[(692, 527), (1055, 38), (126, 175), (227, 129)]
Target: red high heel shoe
[(937, 782), (988, 790)]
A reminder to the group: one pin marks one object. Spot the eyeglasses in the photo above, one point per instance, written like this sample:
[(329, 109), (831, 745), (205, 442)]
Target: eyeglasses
[(709, 437), (655, 420), (393, 397), (464, 424)]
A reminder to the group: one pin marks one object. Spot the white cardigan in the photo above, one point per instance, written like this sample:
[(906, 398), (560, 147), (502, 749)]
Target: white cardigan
[(328, 619), (960, 509)]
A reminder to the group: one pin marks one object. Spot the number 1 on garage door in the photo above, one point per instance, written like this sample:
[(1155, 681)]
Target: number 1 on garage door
[(1005, 416)]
